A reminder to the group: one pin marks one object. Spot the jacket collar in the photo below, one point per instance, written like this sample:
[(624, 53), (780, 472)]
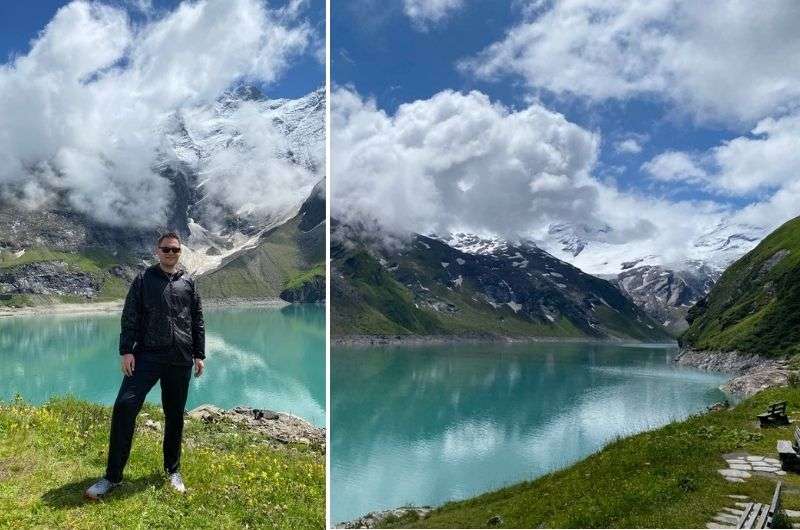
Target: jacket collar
[(179, 271)]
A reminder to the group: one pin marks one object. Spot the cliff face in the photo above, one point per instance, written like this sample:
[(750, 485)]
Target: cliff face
[(755, 305)]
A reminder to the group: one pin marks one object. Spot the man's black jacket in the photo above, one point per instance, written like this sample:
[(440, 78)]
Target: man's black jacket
[(163, 317)]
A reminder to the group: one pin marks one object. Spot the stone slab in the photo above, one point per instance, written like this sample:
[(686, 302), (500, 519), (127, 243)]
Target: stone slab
[(725, 518)]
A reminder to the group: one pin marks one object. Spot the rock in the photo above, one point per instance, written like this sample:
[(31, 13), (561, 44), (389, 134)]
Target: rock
[(757, 380), (792, 513), (755, 373), (206, 413), (718, 406), (746, 467), (153, 424), (725, 518), (740, 497), (376, 519), (48, 278), (755, 458), (734, 473), (774, 461), (258, 414), (732, 361), (277, 426), (780, 473), (494, 520)]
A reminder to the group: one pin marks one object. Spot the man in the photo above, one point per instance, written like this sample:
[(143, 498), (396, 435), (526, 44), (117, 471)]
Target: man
[(162, 336)]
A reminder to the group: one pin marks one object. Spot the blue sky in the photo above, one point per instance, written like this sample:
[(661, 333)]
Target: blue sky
[(20, 22), (377, 49), (697, 111)]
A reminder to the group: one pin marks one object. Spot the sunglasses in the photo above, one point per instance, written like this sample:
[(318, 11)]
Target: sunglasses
[(167, 250)]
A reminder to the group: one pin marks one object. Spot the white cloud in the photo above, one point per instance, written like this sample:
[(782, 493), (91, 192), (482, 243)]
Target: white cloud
[(80, 110), (746, 166), (459, 162), (425, 13), (628, 146), (719, 60), (675, 166), (250, 174)]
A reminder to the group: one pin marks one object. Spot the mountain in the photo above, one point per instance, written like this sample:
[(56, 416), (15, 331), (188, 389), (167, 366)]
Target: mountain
[(57, 254), (661, 284), (464, 285), (288, 261), (755, 305), (667, 294)]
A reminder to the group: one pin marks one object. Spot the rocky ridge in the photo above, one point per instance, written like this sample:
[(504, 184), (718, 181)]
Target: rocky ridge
[(751, 373), (277, 426), (378, 518)]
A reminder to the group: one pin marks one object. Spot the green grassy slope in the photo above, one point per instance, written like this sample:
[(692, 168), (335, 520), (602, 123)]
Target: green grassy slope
[(50, 454), (93, 261), (665, 478), (371, 301), (266, 270), (755, 305)]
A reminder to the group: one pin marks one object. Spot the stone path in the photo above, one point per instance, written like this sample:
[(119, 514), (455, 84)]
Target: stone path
[(728, 517), (741, 466)]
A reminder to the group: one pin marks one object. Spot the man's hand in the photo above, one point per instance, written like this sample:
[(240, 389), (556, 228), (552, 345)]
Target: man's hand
[(128, 360), (199, 366)]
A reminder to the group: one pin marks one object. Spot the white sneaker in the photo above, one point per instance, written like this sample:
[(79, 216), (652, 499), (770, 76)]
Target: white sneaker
[(176, 482), (100, 488)]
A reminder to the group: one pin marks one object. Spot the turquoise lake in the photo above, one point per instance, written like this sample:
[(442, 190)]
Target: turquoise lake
[(424, 425), (262, 357)]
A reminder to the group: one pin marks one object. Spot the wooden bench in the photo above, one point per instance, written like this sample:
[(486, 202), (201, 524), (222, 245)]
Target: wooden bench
[(789, 452), (775, 415), (757, 515)]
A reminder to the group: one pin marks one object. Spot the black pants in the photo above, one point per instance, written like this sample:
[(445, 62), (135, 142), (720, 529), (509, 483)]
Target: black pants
[(174, 389)]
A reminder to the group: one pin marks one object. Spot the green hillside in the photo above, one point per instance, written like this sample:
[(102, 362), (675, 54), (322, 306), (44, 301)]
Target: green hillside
[(265, 270), (429, 288), (755, 305)]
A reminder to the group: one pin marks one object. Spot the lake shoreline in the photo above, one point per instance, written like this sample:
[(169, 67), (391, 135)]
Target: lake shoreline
[(750, 372), (115, 306), (426, 340)]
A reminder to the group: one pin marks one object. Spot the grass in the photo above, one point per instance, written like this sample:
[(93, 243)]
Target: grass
[(301, 278), (260, 272), (754, 307), (95, 262), (50, 454), (665, 478)]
